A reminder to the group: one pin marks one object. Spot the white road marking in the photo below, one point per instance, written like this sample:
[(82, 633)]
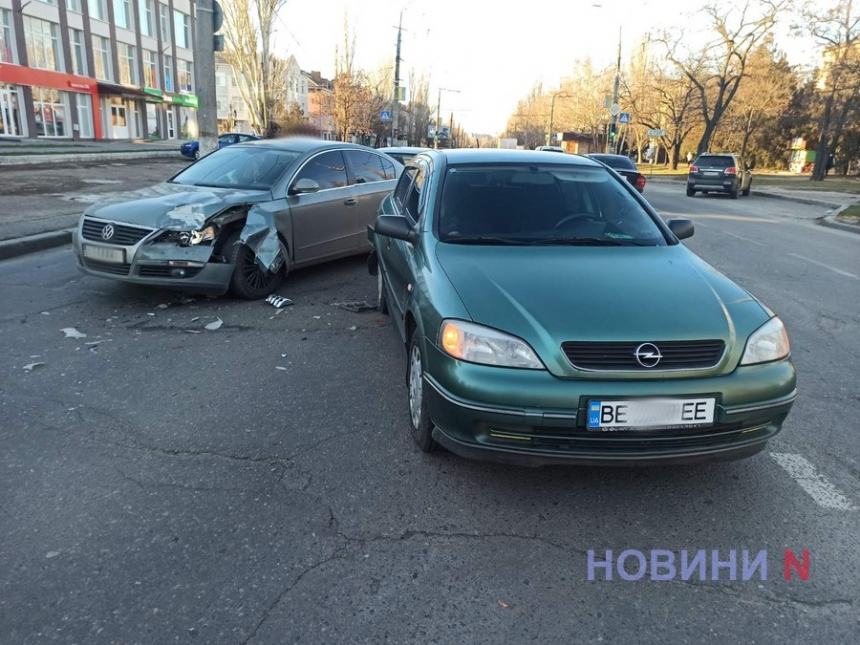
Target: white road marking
[(822, 491), (826, 266), (741, 237)]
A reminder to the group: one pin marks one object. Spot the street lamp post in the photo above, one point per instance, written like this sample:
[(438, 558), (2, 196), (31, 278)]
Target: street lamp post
[(439, 114), (552, 114)]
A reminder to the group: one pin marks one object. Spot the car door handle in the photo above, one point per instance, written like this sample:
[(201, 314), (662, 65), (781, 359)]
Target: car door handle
[(351, 201)]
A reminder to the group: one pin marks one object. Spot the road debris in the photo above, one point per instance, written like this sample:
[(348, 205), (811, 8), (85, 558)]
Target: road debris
[(356, 307), (31, 366), (71, 332), (215, 325), (504, 605), (353, 328), (279, 301), (282, 368)]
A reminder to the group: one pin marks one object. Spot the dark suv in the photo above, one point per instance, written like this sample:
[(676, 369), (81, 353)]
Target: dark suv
[(719, 173)]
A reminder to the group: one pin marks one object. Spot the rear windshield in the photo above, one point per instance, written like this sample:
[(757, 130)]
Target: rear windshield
[(624, 163), (714, 161), (540, 204)]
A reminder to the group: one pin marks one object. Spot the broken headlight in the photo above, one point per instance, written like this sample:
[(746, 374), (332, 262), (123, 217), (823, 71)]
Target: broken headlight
[(192, 238)]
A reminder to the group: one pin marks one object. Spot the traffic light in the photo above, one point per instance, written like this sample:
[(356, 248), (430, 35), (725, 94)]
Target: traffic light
[(217, 23), (612, 131)]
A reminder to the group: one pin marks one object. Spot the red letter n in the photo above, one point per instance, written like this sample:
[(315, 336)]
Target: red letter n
[(792, 563)]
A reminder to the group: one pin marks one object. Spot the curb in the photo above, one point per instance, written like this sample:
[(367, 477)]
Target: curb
[(34, 243), (830, 222), (100, 157), (799, 200)]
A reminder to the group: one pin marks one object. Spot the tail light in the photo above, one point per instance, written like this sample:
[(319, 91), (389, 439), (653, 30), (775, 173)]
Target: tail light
[(694, 169), (731, 171), (640, 181)]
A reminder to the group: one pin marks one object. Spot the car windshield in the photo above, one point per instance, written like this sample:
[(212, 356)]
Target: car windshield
[(240, 167), (616, 161), (402, 157), (542, 204), (714, 161)]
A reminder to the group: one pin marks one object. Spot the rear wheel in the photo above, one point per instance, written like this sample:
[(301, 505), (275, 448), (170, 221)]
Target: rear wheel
[(249, 281), (746, 191), (419, 414), (733, 193), (690, 192), (197, 153)]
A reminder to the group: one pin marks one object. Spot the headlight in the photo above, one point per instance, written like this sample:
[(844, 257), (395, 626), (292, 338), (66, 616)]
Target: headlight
[(197, 237), (767, 343), (479, 344)]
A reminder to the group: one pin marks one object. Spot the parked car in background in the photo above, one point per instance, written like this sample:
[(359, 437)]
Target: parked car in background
[(624, 166), (192, 148), (241, 217), (550, 316), (719, 173), (550, 148), (403, 154)]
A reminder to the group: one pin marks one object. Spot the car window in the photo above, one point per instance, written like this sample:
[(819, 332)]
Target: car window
[(328, 169), (388, 168), (617, 162), (413, 198), (402, 188), (227, 138), (366, 166), (542, 204), (246, 137), (714, 161)]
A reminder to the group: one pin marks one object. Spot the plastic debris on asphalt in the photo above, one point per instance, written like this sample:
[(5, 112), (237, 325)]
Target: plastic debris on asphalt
[(31, 366), (279, 301), (353, 328), (71, 332), (356, 307), (215, 325)]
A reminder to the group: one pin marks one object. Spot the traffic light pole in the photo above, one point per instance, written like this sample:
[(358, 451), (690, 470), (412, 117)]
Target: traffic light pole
[(395, 104), (613, 128)]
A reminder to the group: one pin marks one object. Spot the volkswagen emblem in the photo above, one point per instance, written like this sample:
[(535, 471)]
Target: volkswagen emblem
[(647, 355), (107, 232)]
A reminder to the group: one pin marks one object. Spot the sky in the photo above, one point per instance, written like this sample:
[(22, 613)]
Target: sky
[(486, 54)]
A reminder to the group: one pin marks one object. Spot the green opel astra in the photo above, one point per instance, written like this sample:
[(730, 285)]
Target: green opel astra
[(550, 316)]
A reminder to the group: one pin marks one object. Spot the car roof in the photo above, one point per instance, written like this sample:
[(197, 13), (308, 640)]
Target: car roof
[(506, 155), (304, 144), (404, 149)]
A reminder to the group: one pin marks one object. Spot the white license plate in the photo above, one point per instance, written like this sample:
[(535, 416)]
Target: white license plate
[(104, 254), (648, 414), (711, 174)]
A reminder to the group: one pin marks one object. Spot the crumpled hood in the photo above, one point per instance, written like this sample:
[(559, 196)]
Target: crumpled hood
[(548, 295), (179, 208)]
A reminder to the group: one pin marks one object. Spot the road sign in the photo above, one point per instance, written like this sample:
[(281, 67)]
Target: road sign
[(615, 109), (624, 117), (656, 133), (385, 115)]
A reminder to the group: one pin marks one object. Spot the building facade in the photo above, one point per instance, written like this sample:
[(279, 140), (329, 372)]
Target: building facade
[(233, 115), (97, 69), (321, 105)]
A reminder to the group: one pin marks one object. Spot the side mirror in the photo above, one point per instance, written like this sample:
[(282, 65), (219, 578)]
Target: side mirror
[(303, 186), (681, 227), (395, 226)]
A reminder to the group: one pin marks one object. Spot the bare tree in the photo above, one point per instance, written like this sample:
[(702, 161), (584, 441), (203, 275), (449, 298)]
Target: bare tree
[(717, 69), (415, 116), (248, 29), (837, 29)]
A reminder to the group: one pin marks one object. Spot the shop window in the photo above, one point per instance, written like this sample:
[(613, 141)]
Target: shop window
[(49, 111)]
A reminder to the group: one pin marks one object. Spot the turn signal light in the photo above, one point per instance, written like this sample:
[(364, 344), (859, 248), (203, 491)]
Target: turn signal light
[(452, 340)]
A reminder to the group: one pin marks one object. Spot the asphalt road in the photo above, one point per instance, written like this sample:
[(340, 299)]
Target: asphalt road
[(257, 483)]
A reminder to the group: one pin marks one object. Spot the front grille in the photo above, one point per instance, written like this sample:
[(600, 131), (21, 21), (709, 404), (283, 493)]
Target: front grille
[(162, 271), (123, 234), (107, 267), (620, 357)]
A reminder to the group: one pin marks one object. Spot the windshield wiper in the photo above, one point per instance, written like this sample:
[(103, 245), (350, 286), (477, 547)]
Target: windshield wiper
[(581, 241), (483, 239), (209, 185)]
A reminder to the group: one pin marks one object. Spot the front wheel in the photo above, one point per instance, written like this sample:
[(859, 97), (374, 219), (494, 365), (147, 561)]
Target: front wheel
[(197, 154), (249, 281), (381, 302), (419, 415)]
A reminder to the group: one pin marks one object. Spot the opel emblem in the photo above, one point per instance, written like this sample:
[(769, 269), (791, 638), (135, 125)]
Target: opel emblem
[(107, 232), (647, 355)]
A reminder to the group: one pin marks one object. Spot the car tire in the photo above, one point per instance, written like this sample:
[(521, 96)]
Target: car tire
[(248, 280), (691, 192), (746, 191), (197, 154), (419, 414), (733, 193), (381, 301)]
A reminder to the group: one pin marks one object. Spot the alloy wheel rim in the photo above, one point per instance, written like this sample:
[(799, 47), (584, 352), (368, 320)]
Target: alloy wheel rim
[(415, 386)]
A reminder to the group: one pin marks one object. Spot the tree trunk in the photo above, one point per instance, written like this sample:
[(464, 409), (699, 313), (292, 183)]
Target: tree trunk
[(705, 141), (819, 171)]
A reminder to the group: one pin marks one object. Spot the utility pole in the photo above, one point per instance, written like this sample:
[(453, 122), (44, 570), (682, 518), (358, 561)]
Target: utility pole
[(204, 76), (613, 128), (439, 115), (395, 104)]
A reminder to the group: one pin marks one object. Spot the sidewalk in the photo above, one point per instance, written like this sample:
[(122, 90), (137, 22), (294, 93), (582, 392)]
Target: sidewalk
[(27, 151)]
